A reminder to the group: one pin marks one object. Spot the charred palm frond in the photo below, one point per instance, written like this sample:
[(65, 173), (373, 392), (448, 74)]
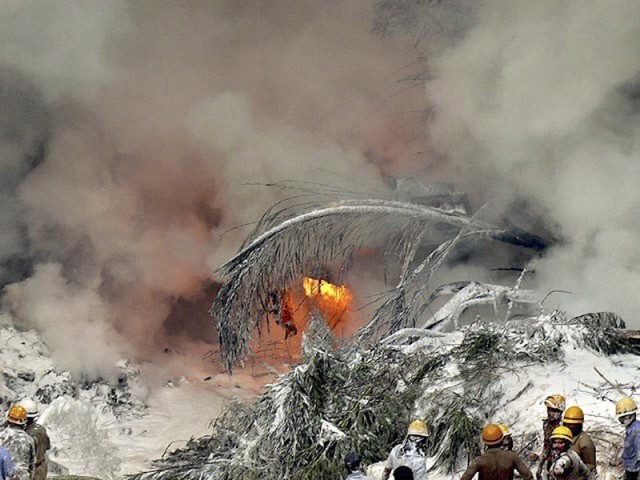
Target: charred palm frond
[(287, 245)]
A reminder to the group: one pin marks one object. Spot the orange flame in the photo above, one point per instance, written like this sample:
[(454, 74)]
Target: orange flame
[(333, 299)]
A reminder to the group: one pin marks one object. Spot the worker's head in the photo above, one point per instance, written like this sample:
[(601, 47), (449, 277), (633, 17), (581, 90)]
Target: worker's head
[(561, 439), (573, 419), (403, 473), (417, 434), (555, 404), (31, 407), (626, 410), (492, 436), (352, 462), (507, 440), (17, 416)]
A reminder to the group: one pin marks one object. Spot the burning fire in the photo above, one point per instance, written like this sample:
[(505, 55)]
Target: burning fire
[(332, 300)]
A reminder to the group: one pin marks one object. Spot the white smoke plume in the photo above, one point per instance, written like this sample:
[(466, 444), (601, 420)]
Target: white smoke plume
[(140, 123), (538, 104)]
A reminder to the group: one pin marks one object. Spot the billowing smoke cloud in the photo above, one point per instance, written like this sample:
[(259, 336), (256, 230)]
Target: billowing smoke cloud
[(537, 104), (140, 123)]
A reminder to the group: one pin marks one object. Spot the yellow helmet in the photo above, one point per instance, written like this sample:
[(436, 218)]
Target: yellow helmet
[(555, 401), (17, 415), (563, 433), (625, 406), (417, 427), (492, 434), (573, 415), (505, 430)]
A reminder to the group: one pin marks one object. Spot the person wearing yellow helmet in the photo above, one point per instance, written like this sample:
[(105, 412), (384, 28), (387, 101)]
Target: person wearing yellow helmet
[(555, 404), (573, 419), (19, 443), (412, 452), (564, 462), (496, 463), (40, 437), (507, 442), (626, 410)]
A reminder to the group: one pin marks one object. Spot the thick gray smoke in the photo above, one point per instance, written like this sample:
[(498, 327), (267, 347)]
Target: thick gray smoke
[(537, 104), (129, 131)]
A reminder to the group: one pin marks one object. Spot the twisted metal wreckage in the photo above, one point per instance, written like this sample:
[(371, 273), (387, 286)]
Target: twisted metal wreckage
[(293, 239)]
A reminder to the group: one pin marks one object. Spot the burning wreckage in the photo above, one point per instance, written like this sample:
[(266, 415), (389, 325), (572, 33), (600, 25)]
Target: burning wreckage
[(408, 361)]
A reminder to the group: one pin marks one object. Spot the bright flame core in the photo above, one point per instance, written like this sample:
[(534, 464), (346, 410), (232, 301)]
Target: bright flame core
[(333, 299)]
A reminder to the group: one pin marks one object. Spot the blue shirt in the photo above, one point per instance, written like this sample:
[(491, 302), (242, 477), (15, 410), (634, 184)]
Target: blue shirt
[(631, 453), (6, 465)]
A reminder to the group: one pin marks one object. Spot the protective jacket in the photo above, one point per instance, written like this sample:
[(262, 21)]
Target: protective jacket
[(7, 470), (568, 466), (497, 464), (631, 452), (42, 442), (22, 449), (416, 460), (584, 447)]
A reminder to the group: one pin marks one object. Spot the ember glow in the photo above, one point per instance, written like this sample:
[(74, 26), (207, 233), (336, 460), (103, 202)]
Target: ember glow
[(332, 300)]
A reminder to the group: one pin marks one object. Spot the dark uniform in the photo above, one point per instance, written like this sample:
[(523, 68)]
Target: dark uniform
[(584, 447), (497, 464), (41, 439)]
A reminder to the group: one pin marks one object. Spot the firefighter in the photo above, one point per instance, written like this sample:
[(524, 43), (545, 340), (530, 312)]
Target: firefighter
[(555, 404), (496, 463), (573, 419), (40, 437), (411, 453), (565, 464), (507, 442), (352, 464), (7, 470), (626, 410), (19, 443)]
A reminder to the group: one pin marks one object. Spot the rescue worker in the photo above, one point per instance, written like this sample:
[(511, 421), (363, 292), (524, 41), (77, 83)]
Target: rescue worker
[(7, 470), (507, 442), (626, 410), (555, 404), (352, 464), (565, 464), (411, 453), (573, 419), (496, 463), (19, 443), (40, 437)]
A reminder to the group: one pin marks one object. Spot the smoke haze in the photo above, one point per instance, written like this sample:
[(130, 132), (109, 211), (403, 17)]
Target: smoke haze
[(537, 104), (130, 130)]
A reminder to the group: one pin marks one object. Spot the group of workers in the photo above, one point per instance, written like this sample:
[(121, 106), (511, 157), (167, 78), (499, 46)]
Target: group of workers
[(568, 452), (23, 444)]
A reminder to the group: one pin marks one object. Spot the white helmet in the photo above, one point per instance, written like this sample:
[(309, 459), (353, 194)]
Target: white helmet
[(30, 406)]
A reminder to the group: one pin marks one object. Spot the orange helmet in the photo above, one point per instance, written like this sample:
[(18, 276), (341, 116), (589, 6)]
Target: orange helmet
[(555, 401), (17, 415), (492, 435), (573, 415), (562, 432)]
